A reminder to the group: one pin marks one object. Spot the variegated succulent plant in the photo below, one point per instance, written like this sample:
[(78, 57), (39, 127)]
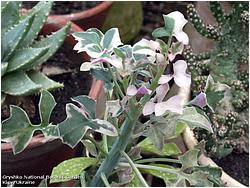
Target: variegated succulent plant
[(227, 63), (21, 52)]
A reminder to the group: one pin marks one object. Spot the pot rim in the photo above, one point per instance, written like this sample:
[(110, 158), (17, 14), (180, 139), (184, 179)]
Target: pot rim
[(94, 92), (85, 13)]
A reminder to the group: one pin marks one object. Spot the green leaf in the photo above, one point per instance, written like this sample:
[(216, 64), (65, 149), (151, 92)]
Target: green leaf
[(88, 104), (169, 149), (87, 37), (189, 159), (41, 11), (4, 66), (214, 174), (119, 53), (214, 92), (46, 105), (102, 74), (13, 37), (24, 59), (156, 135), (135, 182), (194, 119), (70, 169), (160, 32), (17, 129), (77, 124), (3, 96), (90, 147), (198, 179), (180, 127), (169, 23), (42, 80), (9, 14), (53, 42), (19, 84), (166, 176), (111, 39)]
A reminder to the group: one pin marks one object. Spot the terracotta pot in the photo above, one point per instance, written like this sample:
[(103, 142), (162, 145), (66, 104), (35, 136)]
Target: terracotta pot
[(41, 155), (93, 17)]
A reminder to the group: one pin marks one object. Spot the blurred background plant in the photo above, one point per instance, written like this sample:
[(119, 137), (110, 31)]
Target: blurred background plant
[(227, 63), (22, 51)]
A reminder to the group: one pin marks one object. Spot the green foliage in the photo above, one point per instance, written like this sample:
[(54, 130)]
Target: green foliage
[(79, 120), (227, 63), (18, 128), (20, 52), (71, 169)]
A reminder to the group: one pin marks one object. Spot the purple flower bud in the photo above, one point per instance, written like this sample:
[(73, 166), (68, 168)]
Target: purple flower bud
[(200, 100)]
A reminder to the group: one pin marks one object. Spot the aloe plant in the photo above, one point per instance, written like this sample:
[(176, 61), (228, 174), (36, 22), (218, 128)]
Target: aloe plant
[(227, 63), (21, 53)]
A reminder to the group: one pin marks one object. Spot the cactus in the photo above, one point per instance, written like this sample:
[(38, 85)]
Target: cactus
[(227, 62), (20, 52)]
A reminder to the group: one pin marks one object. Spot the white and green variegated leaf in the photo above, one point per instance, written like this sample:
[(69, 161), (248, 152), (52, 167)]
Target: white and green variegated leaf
[(46, 105), (97, 31), (194, 119), (71, 168), (189, 159), (160, 32), (94, 50), (87, 37), (111, 39), (102, 74), (90, 147), (18, 129), (88, 104), (23, 59), (77, 123)]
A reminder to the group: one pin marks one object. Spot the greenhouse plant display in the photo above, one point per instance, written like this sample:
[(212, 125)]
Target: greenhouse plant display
[(136, 85), (109, 113), (226, 63), (28, 162)]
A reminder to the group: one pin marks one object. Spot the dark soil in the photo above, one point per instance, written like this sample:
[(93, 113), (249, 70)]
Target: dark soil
[(237, 166), (65, 7)]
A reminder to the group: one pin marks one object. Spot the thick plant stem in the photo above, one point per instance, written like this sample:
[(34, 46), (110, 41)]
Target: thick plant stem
[(114, 155)]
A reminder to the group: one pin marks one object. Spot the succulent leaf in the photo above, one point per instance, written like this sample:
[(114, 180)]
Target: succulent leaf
[(23, 59), (13, 37), (9, 14), (42, 80), (41, 11), (53, 42), (19, 84)]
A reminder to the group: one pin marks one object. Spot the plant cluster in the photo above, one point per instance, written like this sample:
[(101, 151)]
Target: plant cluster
[(227, 62), (22, 52), (143, 113)]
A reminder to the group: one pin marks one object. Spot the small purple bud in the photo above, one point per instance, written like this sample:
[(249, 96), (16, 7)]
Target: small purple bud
[(200, 100), (143, 90)]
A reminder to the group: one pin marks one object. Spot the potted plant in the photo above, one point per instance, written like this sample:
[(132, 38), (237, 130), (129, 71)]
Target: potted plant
[(37, 148), (224, 70), (136, 87)]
